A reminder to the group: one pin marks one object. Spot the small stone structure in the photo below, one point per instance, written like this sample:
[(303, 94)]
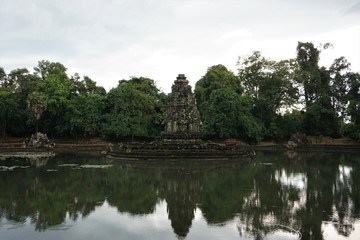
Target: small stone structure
[(182, 118), (298, 140), (38, 140)]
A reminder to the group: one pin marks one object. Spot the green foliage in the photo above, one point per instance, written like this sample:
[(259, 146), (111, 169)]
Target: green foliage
[(271, 87), (3, 77), (352, 131), (321, 119), (23, 81), (85, 86), (56, 86), (324, 91), (134, 109), (256, 103), (353, 96), (250, 128), (224, 111), (220, 114), (308, 74), (46, 68), (37, 102), (216, 77), (339, 85), (85, 115), (10, 110), (290, 122)]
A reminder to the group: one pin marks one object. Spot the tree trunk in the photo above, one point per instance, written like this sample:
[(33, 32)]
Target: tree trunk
[(37, 127)]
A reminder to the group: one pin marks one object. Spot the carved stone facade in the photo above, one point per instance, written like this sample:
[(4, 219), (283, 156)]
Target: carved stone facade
[(182, 118)]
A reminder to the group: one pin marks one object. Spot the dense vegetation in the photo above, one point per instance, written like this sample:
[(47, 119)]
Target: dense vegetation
[(266, 99)]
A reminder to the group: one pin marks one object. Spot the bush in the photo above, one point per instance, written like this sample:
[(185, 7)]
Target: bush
[(352, 131)]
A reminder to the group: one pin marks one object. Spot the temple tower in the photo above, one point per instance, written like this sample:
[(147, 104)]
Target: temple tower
[(182, 118)]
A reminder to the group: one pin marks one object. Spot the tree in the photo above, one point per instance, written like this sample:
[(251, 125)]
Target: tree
[(85, 115), (85, 86), (352, 129), (133, 109), (2, 77), (23, 81), (216, 77), (271, 87), (251, 73), (308, 75), (9, 110), (220, 114), (353, 95), (46, 68), (321, 119), (268, 81), (56, 86), (224, 110), (216, 95), (320, 91), (37, 102), (250, 128), (339, 85)]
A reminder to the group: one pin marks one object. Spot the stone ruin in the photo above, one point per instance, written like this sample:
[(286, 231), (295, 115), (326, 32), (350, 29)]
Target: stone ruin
[(298, 140), (38, 140), (182, 118), (181, 138)]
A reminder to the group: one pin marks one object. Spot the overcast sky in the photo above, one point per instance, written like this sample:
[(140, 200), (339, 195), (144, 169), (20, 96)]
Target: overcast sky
[(109, 40)]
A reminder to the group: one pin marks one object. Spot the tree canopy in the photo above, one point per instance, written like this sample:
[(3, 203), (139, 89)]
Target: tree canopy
[(264, 99)]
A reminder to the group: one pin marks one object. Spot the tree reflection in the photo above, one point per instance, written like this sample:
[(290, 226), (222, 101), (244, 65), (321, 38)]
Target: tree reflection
[(304, 193)]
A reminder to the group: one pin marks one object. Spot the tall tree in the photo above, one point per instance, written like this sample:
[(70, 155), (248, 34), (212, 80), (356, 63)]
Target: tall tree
[(12, 112), (134, 109), (339, 85), (56, 86), (85, 86), (352, 129), (353, 96), (219, 114), (37, 102), (85, 115), (9, 110), (3, 77), (308, 75), (225, 112), (271, 87), (216, 77), (320, 91)]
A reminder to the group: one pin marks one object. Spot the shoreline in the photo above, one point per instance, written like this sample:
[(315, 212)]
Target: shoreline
[(96, 144)]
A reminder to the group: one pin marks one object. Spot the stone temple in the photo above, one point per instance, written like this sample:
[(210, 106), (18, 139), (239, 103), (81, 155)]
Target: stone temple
[(182, 118), (181, 138)]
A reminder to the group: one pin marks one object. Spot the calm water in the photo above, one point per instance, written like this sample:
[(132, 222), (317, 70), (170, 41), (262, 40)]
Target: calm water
[(278, 196)]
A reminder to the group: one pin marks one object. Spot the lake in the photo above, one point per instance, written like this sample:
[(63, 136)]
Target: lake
[(277, 196)]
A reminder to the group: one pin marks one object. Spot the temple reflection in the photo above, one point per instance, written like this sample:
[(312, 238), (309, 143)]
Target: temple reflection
[(181, 192), (271, 195)]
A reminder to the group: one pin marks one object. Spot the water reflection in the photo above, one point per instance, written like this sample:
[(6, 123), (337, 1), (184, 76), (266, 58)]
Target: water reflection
[(308, 195)]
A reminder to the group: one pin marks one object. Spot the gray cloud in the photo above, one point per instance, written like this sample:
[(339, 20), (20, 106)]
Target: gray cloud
[(110, 40), (355, 8)]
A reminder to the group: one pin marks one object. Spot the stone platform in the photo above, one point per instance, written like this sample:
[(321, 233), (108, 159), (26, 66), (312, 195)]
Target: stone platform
[(196, 150)]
